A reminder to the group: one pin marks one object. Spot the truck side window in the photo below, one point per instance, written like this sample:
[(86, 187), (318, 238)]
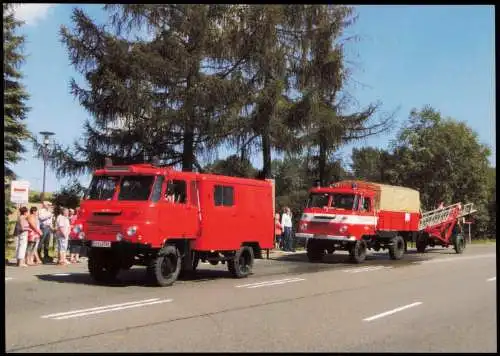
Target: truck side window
[(176, 191), (366, 204), (156, 194), (223, 195)]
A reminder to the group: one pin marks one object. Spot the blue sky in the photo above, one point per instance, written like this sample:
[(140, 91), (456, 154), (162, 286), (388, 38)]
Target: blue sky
[(407, 57)]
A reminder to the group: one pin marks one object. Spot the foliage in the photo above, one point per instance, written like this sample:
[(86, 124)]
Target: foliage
[(232, 166), (15, 95), (68, 197)]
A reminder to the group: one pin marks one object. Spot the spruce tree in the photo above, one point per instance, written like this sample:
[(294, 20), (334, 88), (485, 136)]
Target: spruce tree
[(14, 95)]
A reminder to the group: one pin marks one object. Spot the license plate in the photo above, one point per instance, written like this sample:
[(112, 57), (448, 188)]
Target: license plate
[(101, 243), (321, 236)]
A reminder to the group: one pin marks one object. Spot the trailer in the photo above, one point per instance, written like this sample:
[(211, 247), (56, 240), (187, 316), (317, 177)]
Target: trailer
[(357, 216), (442, 227)]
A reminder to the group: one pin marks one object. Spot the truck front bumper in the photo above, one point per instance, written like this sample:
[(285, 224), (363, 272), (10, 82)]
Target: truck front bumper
[(306, 236)]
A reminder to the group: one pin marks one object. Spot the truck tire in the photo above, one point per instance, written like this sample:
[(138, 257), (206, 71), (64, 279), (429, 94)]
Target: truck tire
[(357, 251), (315, 253), (165, 267), (459, 244), (101, 266), (241, 265), (397, 249)]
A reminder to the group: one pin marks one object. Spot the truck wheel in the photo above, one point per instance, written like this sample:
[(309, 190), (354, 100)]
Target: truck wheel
[(241, 265), (459, 244), (165, 267), (397, 249), (101, 266), (315, 253), (330, 250), (357, 251)]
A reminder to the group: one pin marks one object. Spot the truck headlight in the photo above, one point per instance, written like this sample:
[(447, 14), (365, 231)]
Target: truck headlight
[(131, 231), (343, 229), (119, 237), (81, 235)]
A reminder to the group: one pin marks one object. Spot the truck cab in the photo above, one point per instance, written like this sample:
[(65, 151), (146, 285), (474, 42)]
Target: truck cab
[(338, 214)]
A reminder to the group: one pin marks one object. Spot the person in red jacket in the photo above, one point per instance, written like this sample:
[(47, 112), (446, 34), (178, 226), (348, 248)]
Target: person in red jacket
[(278, 230)]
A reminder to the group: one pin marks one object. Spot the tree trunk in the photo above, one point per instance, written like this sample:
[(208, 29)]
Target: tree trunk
[(266, 153), (188, 149), (322, 161)]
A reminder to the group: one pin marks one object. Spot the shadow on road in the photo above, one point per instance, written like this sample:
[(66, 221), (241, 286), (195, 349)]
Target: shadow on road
[(134, 277)]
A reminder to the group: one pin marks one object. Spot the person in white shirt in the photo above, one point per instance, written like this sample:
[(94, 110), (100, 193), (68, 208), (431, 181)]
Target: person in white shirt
[(286, 223), (45, 217), (62, 235)]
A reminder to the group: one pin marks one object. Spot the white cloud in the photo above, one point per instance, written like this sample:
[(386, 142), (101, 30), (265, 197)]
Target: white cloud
[(32, 13)]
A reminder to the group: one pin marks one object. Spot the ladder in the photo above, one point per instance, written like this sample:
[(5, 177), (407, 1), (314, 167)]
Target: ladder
[(439, 216)]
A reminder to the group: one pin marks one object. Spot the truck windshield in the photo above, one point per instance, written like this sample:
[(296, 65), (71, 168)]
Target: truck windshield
[(339, 201), (135, 187), (317, 200), (102, 187)]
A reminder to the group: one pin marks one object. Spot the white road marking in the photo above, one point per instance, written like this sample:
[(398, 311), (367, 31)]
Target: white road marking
[(366, 269), (491, 279), (390, 312), (103, 309), (453, 259), (61, 274), (270, 283), (8, 278)]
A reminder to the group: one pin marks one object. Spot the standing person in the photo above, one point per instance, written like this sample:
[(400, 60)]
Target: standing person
[(21, 232), (74, 248), (278, 230), (286, 222), (45, 216), (62, 235), (34, 234)]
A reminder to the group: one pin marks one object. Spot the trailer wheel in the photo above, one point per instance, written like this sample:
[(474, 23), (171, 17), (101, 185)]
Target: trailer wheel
[(101, 266), (315, 253), (357, 251), (421, 243), (165, 267), (459, 244), (241, 265), (397, 249)]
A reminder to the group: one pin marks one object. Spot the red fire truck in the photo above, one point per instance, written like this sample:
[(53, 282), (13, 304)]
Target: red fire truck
[(356, 216), (168, 221)]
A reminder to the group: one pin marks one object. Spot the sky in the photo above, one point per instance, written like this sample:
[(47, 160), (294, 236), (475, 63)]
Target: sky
[(406, 57)]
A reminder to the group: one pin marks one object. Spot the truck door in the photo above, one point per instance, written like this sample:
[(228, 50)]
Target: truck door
[(367, 215), (178, 217)]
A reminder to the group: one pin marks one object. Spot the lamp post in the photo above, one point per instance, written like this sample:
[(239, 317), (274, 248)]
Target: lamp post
[(45, 153)]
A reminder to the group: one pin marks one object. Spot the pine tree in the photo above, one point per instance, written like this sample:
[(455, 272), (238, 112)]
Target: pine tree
[(322, 76), (170, 96), (15, 95)]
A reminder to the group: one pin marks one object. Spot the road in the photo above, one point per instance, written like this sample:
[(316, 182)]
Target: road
[(433, 302)]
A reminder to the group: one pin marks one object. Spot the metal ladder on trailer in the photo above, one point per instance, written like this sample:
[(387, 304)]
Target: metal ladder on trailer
[(439, 216)]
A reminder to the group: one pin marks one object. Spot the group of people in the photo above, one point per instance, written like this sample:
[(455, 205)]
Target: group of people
[(33, 233), (283, 231)]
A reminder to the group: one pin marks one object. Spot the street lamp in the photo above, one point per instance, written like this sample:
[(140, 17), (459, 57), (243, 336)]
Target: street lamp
[(45, 152)]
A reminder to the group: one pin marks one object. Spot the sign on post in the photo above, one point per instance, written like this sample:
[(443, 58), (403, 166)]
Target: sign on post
[(19, 191)]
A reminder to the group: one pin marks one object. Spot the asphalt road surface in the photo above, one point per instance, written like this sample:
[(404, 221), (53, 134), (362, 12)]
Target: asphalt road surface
[(433, 302)]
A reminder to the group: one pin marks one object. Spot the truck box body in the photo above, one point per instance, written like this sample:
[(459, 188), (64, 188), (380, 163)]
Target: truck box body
[(245, 218)]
